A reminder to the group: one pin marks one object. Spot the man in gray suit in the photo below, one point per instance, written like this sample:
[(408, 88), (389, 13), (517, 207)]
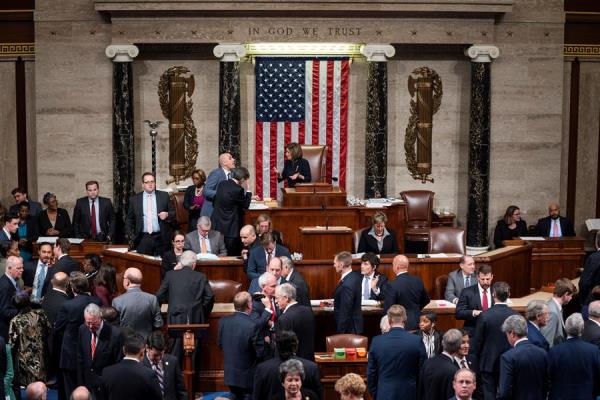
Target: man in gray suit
[(205, 240), (216, 176), (554, 331), (461, 278), (138, 310)]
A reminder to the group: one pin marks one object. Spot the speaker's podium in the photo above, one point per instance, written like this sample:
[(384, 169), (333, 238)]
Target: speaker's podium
[(316, 194)]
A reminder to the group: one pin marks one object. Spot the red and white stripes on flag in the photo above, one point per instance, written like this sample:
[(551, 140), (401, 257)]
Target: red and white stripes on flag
[(321, 116)]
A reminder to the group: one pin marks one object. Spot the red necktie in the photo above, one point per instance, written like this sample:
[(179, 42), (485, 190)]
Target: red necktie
[(484, 301), (93, 217), (93, 345), (555, 232), (273, 309)]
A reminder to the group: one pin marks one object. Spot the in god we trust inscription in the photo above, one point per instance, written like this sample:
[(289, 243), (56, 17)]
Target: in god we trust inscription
[(306, 31)]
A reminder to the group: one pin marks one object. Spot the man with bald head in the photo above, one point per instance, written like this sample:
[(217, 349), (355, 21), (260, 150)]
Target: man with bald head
[(81, 393), (216, 176), (554, 225), (36, 391), (138, 310), (406, 290), (248, 238)]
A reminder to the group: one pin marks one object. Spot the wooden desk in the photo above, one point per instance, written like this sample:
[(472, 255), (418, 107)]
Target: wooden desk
[(293, 198), (78, 251), (288, 220), (333, 369), (320, 241)]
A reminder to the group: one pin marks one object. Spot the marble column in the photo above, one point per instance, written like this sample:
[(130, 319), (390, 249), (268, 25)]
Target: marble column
[(123, 135), (479, 147), (376, 135), (229, 97)]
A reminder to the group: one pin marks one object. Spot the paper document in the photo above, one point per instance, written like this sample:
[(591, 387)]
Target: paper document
[(530, 238), (593, 224)]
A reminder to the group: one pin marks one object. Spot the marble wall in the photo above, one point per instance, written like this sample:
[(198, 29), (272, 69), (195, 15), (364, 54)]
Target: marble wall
[(8, 129)]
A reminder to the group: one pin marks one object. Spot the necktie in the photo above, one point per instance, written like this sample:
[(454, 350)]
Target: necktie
[(467, 281), (228, 175), (366, 288), (160, 375), (269, 257), (93, 345), (273, 309), (484, 301), (93, 219), (463, 364), (555, 232), (203, 245), (40, 281), (149, 214)]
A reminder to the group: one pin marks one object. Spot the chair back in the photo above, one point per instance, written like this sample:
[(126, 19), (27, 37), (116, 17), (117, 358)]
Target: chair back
[(345, 340), (439, 289), (356, 237), (181, 214), (315, 155), (446, 240), (419, 204), (224, 289)]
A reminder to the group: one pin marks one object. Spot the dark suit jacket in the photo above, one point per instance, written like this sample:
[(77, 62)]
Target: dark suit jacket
[(173, 386), (65, 264), (52, 302), (215, 240), (130, 380), (68, 321), (82, 227), (290, 167), (347, 304), (535, 337), (381, 285), (135, 215), (189, 296), (591, 333), (242, 348), (395, 359), (261, 317), (267, 379), (436, 378), (188, 201), (437, 340), (489, 341), (3, 364), (574, 370), (108, 352), (523, 373), (301, 320), (544, 224), (169, 260), (502, 232), (35, 208), (408, 291), (302, 291), (7, 309), (4, 237), (590, 277), (257, 260), (29, 270), (468, 301), (62, 225), (368, 243), (255, 287), (231, 200), (215, 177)]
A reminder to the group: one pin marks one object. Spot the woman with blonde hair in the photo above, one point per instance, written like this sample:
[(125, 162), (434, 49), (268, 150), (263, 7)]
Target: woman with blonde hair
[(510, 226), (351, 387)]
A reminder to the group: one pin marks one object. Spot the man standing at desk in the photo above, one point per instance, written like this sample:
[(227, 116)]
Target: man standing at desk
[(554, 225), (475, 299), (216, 176), (94, 216), (346, 298)]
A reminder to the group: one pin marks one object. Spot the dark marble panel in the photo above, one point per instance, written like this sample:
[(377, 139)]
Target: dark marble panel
[(376, 135), (479, 156), (123, 142), (229, 109)]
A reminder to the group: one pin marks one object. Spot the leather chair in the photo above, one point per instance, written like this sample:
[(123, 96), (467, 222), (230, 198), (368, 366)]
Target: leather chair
[(356, 237), (224, 289), (181, 214), (419, 204), (315, 155), (346, 340), (446, 240), (439, 289)]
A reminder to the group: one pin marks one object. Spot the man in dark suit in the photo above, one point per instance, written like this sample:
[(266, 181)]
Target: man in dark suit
[(165, 366), (471, 299), (464, 384), (267, 379), (8, 289), (490, 342), (98, 346), (51, 304), (190, 299), (94, 216), (265, 311), (216, 176), (20, 194), (260, 257), (149, 217), (537, 318), (205, 240), (591, 329), (242, 346), (296, 318), (460, 278), (574, 366), (590, 277), (395, 359), (68, 321), (406, 290), (524, 368), (38, 273), (64, 262), (9, 230), (346, 298), (554, 225), (294, 277), (276, 268), (438, 372), (232, 198), (373, 283), (130, 379), (249, 241)]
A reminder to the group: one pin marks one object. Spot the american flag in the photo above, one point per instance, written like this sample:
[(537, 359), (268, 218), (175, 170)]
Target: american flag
[(305, 101)]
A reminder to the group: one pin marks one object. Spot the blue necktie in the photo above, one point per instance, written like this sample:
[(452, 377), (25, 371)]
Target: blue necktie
[(40, 281), (467, 281), (366, 288)]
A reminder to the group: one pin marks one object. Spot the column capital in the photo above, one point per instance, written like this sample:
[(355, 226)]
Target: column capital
[(482, 53), (378, 52), (229, 52), (122, 52)]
